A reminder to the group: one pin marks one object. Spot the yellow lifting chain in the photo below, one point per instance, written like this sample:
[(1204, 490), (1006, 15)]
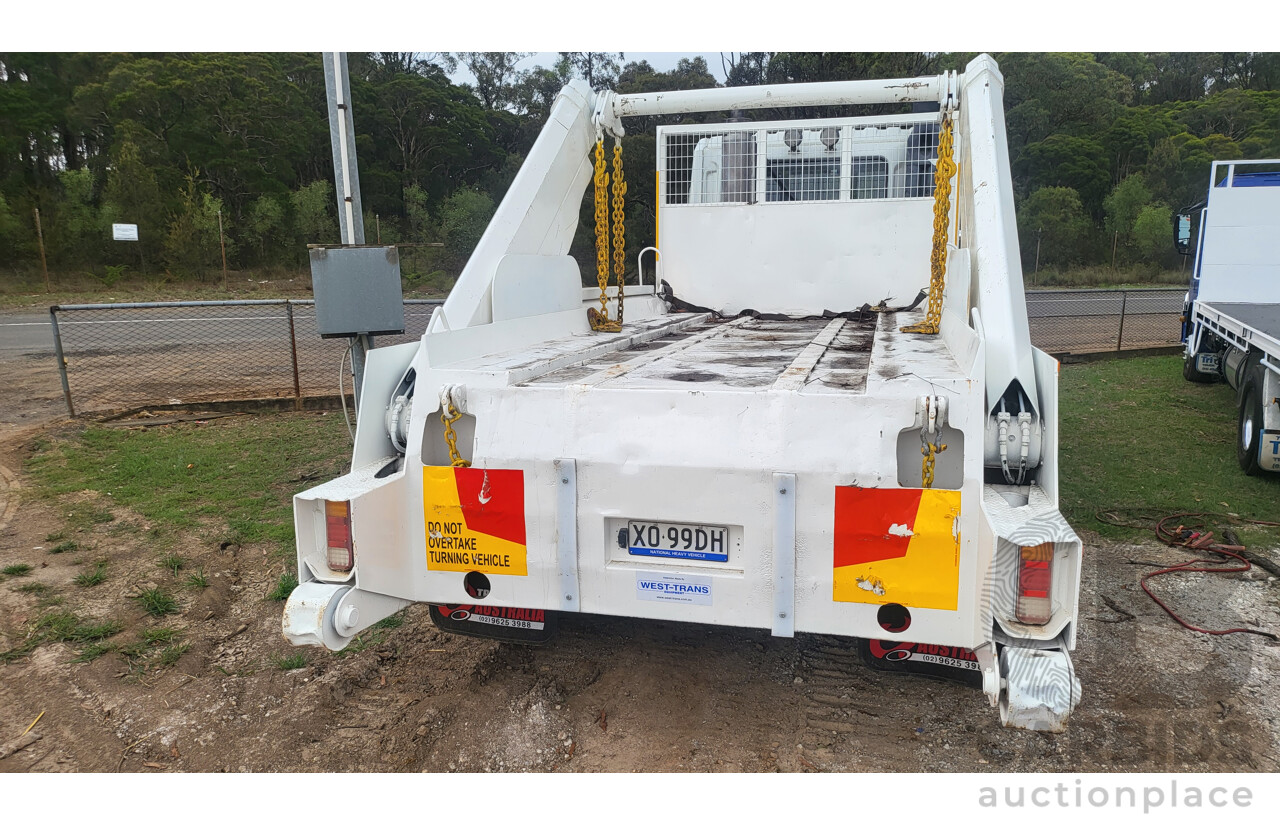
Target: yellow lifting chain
[(599, 319), (449, 414), (930, 451), (942, 175)]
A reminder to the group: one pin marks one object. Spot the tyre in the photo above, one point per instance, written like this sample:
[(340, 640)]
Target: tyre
[(1194, 375), (1250, 426)]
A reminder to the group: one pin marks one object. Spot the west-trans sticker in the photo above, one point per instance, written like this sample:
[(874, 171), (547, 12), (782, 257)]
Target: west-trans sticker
[(671, 587), (475, 520)]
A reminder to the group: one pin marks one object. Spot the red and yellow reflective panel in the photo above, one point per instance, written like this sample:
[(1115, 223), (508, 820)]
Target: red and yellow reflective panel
[(475, 520), (897, 546)]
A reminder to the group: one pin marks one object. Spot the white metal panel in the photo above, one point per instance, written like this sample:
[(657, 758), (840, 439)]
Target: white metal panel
[(525, 285), (383, 369), (991, 231), (1240, 258), (784, 257), (539, 213)]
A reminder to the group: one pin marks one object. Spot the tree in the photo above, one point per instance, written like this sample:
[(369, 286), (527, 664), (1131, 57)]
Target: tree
[(1123, 206), (266, 231), (1152, 233), (1054, 217), (496, 75), (599, 69), (132, 196), (464, 216), (313, 217), (192, 243), (1073, 162)]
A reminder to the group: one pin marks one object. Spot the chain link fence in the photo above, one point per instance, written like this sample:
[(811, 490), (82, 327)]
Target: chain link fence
[(114, 356), (1097, 320)]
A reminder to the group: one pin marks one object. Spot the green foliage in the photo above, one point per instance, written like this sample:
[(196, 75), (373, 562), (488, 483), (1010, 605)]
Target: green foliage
[(393, 621), (284, 586), (32, 588), (292, 661), (98, 138), (173, 563), (157, 602), (192, 243), (314, 219), (16, 570), (196, 581), (464, 215), (1104, 468), (146, 471), (64, 547), (1054, 218), (94, 577), (1152, 232)]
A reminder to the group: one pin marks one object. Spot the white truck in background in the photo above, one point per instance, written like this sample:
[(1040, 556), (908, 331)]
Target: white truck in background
[(759, 443), (1232, 315)]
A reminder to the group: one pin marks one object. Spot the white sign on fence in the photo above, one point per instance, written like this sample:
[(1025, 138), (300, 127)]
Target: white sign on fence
[(124, 231)]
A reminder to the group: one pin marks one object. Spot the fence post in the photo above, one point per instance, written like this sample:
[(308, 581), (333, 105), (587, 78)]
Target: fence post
[(293, 350), (62, 361), (44, 264), (1124, 305)]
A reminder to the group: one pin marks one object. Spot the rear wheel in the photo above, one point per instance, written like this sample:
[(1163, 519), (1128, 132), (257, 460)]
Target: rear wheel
[(1250, 426), (1194, 375)]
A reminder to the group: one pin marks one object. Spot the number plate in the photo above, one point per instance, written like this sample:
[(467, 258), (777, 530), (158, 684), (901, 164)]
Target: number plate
[(698, 542)]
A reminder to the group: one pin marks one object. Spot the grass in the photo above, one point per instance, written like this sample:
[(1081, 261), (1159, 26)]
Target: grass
[(222, 492), (1135, 434), (155, 647), (64, 547), (284, 586), (62, 626), (292, 662), (196, 581), (93, 651), (17, 570), (94, 577), (173, 563), (157, 602), (1092, 277), (33, 588), (393, 621)]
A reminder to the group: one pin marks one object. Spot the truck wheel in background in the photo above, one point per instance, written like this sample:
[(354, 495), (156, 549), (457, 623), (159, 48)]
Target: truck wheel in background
[(1194, 375), (1250, 424)]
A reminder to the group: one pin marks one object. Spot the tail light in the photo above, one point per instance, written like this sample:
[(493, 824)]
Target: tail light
[(1035, 580), (337, 520)]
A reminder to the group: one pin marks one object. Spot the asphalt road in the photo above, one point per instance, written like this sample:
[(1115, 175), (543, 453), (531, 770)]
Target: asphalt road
[(28, 333)]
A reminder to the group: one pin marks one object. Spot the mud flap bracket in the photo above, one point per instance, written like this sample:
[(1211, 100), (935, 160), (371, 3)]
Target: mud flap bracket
[(1040, 688), (784, 554), (567, 533)]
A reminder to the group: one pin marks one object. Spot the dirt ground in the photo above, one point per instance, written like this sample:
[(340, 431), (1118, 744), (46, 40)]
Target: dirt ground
[(607, 694)]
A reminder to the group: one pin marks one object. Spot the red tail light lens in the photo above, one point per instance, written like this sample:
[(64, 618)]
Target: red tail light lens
[(1035, 583), (337, 520)]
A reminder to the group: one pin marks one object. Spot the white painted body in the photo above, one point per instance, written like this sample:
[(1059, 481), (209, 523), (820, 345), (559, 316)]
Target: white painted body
[(672, 421), (1234, 299)]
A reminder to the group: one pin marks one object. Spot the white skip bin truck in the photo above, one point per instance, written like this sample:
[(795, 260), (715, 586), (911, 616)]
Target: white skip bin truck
[(770, 435), (1232, 316)]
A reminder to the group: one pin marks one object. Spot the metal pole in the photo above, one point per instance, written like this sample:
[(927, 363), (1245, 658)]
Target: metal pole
[(1124, 305), (377, 221), (62, 360), (222, 242), (293, 351), (342, 136), (43, 263)]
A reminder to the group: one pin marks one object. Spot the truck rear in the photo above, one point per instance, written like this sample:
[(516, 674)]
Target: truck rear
[(823, 414), (1232, 326)]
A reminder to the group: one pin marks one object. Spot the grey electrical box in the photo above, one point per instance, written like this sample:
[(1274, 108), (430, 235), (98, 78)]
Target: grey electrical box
[(357, 290)]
